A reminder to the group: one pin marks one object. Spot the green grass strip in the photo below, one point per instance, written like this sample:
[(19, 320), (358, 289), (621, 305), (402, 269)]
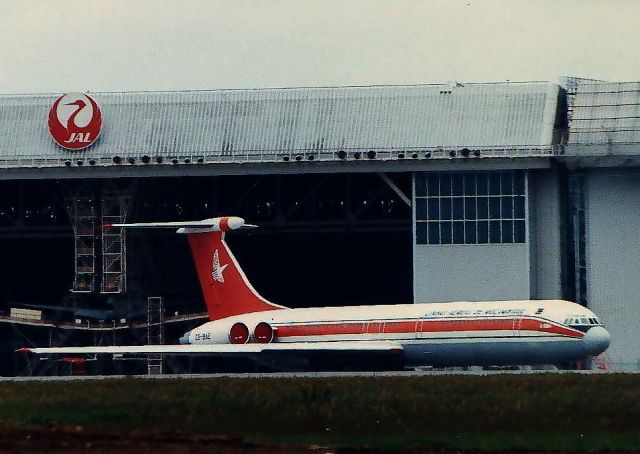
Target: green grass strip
[(546, 411)]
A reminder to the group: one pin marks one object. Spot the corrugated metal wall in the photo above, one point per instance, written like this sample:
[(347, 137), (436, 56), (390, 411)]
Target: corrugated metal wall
[(285, 120), (613, 259), (471, 273)]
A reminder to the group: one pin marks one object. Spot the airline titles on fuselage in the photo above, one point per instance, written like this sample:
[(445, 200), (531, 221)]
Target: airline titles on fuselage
[(474, 313)]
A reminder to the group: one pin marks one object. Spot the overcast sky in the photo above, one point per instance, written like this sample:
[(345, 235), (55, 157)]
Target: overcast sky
[(110, 45)]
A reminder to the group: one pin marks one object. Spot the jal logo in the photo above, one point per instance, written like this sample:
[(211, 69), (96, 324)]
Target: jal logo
[(75, 121)]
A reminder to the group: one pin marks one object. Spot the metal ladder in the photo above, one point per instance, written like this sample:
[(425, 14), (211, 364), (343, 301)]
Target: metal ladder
[(155, 332)]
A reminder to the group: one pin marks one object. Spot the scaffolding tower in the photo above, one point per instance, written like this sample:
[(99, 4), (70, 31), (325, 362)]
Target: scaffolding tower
[(155, 332), (83, 221), (114, 263)]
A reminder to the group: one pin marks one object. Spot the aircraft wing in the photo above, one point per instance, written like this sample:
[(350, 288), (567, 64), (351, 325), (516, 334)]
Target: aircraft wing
[(222, 349)]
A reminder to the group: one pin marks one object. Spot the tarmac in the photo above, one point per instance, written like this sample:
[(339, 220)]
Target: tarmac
[(318, 375)]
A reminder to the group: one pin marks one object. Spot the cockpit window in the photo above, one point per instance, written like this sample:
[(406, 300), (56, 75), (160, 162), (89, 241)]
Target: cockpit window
[(581, 322)]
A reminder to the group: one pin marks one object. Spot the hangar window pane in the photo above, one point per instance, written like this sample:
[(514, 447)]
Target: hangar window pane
[(470, 232), (519, 232), (470, 184), (506, 183), (445, 233), (458, 233), (434, 233), (470, 208), (507, 207), (494, 184), (519, 207), (507, 231), (434, 209), (485, 207), (421, 208), (445, 208), (519, 183), (421, 232), (458, 208), (482, 184), (421, 185), (433, 186), (457, 184), (445, 184), (494, 232), (494, 208), (483, 232)]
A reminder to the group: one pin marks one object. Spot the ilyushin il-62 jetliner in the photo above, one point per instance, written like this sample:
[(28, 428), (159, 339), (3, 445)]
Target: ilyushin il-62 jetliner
[(430, 334)]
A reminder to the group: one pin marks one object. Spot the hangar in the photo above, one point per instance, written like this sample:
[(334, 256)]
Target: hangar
[(364, 195)]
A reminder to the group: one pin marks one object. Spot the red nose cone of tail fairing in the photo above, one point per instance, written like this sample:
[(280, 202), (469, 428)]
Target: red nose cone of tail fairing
[(230, 223)]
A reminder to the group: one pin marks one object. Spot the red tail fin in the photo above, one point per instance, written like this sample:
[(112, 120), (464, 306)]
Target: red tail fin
[(224, 285)]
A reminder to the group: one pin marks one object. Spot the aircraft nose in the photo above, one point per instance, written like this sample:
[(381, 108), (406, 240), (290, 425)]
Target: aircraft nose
[(596, 340)]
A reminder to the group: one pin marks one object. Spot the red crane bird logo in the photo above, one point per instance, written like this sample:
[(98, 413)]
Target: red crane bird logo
[(75, 121)]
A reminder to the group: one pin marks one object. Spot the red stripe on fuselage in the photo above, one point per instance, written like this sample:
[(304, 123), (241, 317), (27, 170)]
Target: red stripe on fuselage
[(425, 326), (545, 326)]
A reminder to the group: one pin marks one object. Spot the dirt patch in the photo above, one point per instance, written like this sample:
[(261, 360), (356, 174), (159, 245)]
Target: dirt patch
[(64, 439)]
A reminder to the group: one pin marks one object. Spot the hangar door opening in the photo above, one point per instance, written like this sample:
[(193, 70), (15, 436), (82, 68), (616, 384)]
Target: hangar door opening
[(323, 240)]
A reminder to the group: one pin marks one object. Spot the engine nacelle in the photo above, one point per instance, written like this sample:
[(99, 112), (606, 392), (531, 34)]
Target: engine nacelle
[(234, 331), (263, 333), (239, 333)]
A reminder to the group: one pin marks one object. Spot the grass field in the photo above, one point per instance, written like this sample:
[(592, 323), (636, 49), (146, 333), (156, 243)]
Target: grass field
[(540, 411)]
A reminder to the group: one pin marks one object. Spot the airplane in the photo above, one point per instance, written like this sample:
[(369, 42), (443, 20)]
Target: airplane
[(243, 323)]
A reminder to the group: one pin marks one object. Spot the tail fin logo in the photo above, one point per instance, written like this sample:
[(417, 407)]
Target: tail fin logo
[(217, 270)]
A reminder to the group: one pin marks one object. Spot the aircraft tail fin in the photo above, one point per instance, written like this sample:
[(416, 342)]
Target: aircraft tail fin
[(225, 287)]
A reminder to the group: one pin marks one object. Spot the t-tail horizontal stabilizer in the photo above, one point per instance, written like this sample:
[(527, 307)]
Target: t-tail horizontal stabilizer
[(220, 224)]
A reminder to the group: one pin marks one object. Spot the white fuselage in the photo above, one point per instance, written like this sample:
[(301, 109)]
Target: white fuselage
[(439, 334)]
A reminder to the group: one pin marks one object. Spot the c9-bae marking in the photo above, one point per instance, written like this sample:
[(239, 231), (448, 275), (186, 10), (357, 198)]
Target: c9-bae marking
[(428, 334)]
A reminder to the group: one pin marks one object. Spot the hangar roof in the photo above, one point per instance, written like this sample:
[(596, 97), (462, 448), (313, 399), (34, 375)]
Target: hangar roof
[(606, 113), (237, 123)]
